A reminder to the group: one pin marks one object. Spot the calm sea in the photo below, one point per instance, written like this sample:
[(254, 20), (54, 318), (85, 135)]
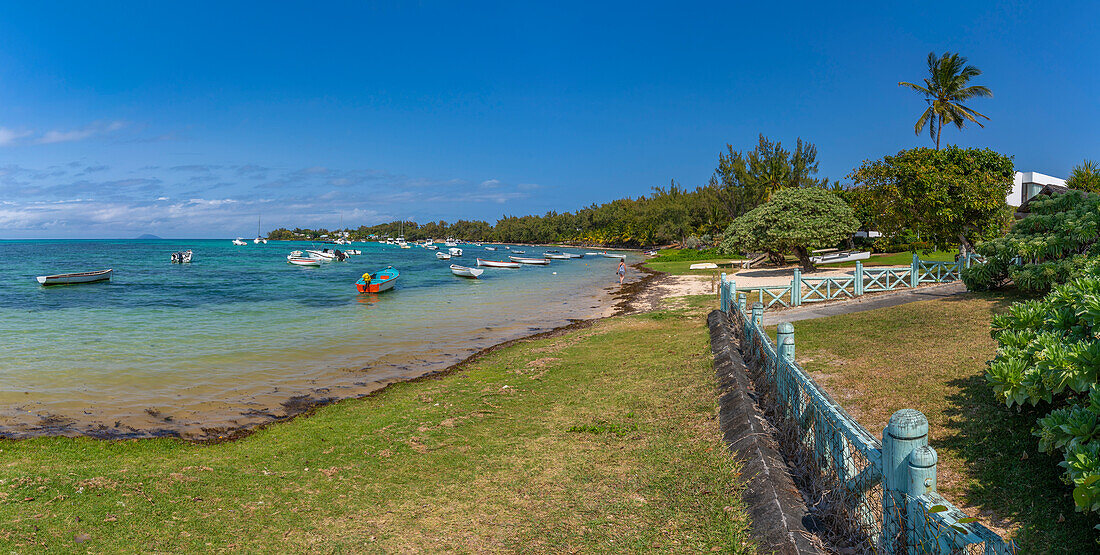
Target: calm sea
[(228, 339)]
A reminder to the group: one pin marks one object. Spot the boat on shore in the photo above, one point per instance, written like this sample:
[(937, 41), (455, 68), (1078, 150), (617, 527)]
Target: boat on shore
[(465, 271), (497, 263), (79, 277), (535, 261), (442, 255), (382, 280)]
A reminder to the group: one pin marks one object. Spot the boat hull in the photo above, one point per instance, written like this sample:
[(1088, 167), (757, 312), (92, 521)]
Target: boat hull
[(80, 277), (497, 264), (534, 261), (463, 271), (304, 262), (382, 280)]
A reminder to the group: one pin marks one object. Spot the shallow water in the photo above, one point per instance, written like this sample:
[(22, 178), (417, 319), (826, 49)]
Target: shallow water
[(228, 340)]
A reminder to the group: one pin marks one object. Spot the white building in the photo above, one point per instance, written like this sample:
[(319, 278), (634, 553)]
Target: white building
[(1028, 184)]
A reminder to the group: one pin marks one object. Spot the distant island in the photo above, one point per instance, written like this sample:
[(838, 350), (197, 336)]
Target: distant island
[(148, 236)]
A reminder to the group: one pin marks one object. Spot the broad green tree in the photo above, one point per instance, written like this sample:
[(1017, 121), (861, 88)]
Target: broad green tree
[(1085, 177), (950, 196), (945, 90), (793, 220)]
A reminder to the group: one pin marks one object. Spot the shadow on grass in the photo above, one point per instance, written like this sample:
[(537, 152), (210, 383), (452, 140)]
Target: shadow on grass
[(1005, 475), (1001, 299)]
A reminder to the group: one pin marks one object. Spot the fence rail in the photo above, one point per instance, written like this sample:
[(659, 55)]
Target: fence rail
[(881, 493), (802, 290)]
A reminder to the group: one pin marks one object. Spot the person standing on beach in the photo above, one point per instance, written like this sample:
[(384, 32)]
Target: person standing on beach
[(621, 271)]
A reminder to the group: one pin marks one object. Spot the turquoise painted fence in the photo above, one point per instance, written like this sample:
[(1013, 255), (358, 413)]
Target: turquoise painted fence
[(803, 290), (882, 493)]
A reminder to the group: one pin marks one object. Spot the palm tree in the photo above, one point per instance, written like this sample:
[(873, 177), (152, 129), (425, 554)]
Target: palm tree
[(945, 92)]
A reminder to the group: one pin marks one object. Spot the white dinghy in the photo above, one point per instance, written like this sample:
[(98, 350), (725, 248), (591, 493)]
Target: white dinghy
[(463, 271), (80, 277)]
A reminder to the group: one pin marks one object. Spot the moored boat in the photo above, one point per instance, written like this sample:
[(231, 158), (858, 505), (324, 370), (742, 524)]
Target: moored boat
[(181, 257), (442, 255), (303, 261), (382, 280), (497, 263), (79, 277), (517, 251), (239, 242), (555, 256), (612, 255), (490, 248), (522, 260), (455, 251), (464, 271)]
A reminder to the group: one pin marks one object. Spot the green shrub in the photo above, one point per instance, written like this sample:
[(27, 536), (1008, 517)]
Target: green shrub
[(1043, 249)]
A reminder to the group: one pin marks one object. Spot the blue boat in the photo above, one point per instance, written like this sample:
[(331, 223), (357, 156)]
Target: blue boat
[(382, 280)]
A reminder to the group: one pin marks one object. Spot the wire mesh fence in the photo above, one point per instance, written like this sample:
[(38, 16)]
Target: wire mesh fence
[(870, 495)]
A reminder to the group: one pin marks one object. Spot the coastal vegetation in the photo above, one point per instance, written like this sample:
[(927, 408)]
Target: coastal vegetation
[(944, 90), (1051, 245), (1085, 177), (548, 445), (931, 356), (796, 220), (948, 197)]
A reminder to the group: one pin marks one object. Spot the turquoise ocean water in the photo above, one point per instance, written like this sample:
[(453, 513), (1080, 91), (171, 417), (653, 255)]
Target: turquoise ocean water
[(226, 340)]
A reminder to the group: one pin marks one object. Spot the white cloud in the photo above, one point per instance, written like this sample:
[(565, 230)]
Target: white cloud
[(9, 137), (80, 134)]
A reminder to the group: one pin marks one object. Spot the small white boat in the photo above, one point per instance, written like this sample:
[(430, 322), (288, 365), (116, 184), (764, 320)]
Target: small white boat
[(844, 256), (455, 251), (519, 252), (555, 256), (463, 271), (573, 255), (259, 240), (443, 256), (239, 242), (303, 261), (80, 277), (321, 255), (497, 263), (451, 243), (182, 257), (612, 255), (431, 247), (703, 266), (593, 253), (490, 248), (353, 252), (521, 260)]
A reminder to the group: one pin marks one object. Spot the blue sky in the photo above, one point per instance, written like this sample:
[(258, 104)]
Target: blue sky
[(190, 120)]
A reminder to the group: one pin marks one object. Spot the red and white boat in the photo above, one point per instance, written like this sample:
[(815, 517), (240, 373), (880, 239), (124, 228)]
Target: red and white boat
[(497, 263), (522, 260), (303, 261)]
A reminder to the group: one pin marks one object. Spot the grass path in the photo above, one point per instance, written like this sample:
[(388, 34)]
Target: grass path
[(932, 356), (601, 439)]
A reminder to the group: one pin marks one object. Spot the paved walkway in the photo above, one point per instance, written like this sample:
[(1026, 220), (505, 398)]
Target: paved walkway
[(865, 303)]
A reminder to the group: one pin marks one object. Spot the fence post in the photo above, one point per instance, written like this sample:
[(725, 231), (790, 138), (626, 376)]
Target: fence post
[(742, 300), (968, 258), (754, 328), (758, 314), (906, 432), (723, 295), (796, 288), (914, 271), (784, 349), (859, 278)]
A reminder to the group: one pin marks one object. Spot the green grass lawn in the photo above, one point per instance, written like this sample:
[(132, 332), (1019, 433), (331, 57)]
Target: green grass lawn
[(601, 439), (681, 267), (896, 259), (931, 356)]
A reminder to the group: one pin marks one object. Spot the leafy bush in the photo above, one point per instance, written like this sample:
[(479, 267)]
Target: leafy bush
[(1045, 248), (685, 255), (1049, 352)]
